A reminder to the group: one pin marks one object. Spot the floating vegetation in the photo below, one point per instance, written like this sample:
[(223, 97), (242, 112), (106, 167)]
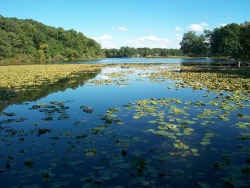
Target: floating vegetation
[(9, 114), (90, 152), (180, 145), (28, 163), (17, 77), (51, 109), (87, 109), (43, 131), (167, 129), (243, 125)]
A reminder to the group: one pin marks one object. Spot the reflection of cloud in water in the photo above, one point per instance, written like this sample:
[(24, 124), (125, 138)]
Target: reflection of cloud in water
[(123, 85), (170, 68), (104, 77), (108, 70)]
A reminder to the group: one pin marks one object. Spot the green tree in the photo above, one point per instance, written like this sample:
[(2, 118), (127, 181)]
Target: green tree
[(127, 52), (5, 46), (245, 40), (30, 40), (143, 52), (193, 44), (111, 53), (226, 40), (43, 52)]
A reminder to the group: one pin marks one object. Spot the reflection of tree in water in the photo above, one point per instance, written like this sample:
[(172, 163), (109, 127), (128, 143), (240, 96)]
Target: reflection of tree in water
[(8, 97), (139, 163), (230, 68)]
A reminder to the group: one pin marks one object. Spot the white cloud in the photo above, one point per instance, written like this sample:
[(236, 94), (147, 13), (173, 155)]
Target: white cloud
[(204, 24), (108, 44), (223, 25), (179, 37), (104, 37), (121, 28), (149, 41), (105, 41), (178, 28), (149, 38), (197, 27)]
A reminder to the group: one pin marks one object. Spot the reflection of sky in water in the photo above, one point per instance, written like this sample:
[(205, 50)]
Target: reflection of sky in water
[(132, 136), (102, 97), (107, 70), (151, 60)]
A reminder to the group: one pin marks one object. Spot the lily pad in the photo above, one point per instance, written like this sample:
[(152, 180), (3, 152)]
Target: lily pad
[(243, 125), (43, 131), (87, 109), (90, 152), (28, 163)]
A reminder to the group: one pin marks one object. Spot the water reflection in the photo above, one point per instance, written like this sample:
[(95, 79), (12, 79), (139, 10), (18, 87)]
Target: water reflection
[(150, 60), (8, 97), (164, 129)]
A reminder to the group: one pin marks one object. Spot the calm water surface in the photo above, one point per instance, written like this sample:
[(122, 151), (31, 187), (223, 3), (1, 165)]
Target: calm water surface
[(151, 60), (122, 128)]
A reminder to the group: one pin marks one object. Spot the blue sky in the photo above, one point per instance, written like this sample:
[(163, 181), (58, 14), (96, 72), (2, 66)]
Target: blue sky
[(134, 23)]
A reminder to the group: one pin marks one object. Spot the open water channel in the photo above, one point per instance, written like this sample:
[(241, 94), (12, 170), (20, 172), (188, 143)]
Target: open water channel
[(153, 60)]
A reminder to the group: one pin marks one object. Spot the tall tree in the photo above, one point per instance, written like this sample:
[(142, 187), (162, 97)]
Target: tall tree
[(226, 40), (245, 40), (193, 44)]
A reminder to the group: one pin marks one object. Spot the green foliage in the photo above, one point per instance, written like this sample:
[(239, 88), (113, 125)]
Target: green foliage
[(141, 52), (34, 41), (225, 40), (245, 40), (231, 40), (194, 45)]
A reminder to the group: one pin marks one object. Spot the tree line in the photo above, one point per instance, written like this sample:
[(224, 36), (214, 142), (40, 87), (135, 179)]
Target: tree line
[(141, 52), (231, 40), (29, 40)]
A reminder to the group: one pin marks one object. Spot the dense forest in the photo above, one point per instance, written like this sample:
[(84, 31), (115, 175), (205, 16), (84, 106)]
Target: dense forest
[(232, 40), (141, 52), (28, 40)]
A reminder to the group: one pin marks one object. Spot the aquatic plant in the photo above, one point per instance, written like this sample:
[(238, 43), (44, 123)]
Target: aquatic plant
[(201, 140), (22, 77)]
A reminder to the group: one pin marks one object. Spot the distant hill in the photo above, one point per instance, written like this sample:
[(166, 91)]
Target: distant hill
[(25, 41)]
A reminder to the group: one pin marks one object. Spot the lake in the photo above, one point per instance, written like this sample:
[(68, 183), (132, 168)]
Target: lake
[(152, 60), (130, 126)]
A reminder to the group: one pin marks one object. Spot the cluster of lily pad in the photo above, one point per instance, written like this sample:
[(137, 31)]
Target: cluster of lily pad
[(224, 107), (52, 108), (213, 80), (145, 143), (23, 77)]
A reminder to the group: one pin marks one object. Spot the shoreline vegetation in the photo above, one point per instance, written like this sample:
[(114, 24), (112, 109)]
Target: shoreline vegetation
[(25, 41), (17, 62), (31, 42)]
